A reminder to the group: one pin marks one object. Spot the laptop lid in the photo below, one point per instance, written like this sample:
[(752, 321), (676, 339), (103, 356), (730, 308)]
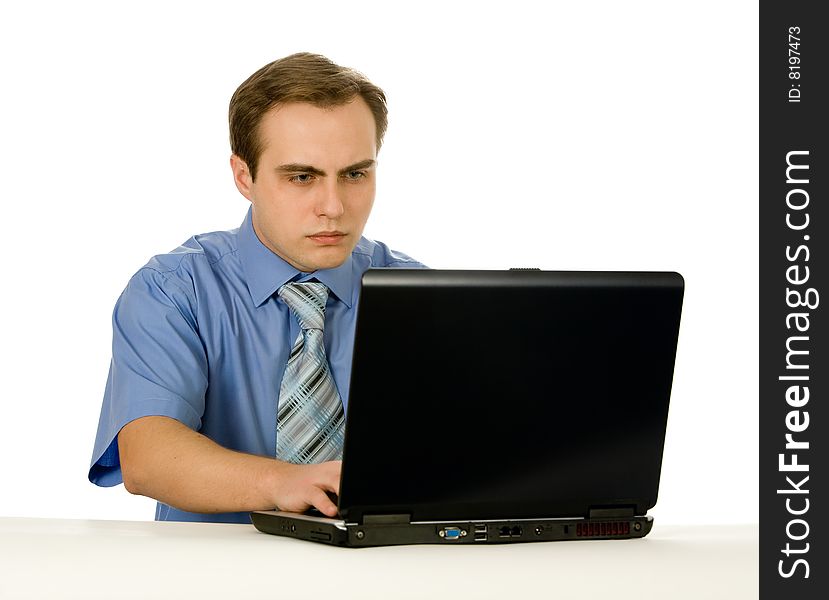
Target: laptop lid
[(508, 394)]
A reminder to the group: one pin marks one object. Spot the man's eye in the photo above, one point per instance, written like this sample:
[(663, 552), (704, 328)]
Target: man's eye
[(355, 175), (302, 178)]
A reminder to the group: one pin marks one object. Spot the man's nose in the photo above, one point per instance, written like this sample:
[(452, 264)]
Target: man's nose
[(330, 204)]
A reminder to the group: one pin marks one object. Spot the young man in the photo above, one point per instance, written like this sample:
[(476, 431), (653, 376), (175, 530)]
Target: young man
[(232, 353)]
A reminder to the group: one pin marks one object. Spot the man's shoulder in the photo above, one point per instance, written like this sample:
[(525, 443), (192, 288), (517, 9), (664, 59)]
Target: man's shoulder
[(377, 255), (203, 256), (207, 248)]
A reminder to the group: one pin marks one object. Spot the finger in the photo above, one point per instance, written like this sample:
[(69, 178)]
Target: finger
[(320, 500)]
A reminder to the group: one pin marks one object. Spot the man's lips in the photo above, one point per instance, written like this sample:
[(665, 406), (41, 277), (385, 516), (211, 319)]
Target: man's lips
[(327, 237)]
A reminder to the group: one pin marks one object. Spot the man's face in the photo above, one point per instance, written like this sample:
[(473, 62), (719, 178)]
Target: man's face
[(315, 182)]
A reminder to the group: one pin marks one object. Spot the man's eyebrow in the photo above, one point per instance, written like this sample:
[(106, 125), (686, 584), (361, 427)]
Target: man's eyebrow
[(363, 164), (298, 168)]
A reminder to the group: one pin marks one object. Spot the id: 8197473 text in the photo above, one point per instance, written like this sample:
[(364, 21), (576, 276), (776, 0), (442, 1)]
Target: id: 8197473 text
[(794, 64)]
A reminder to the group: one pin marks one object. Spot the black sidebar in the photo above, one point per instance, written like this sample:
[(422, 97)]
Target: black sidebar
[(794, 226)]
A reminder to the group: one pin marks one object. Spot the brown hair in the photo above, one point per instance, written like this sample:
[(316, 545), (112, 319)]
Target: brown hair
[(302, 77)]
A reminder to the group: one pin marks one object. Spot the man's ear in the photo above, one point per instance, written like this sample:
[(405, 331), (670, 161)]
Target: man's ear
[(241, 176)]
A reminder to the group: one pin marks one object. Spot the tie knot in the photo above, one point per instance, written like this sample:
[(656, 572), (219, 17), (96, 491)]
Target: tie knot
[(307, 302)]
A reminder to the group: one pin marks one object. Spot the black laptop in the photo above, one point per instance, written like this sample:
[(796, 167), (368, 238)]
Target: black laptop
[(502, 406)]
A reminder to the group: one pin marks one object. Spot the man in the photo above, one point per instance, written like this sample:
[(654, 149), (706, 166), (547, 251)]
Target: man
[(213, 338)]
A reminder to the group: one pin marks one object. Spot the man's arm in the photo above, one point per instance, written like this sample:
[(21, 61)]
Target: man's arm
[(165, 460)]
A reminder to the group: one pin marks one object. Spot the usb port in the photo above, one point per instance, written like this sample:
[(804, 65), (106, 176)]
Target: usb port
[(480, 532)]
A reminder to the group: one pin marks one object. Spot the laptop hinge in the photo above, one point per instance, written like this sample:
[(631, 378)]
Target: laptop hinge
[(603, 512), (387, 519)]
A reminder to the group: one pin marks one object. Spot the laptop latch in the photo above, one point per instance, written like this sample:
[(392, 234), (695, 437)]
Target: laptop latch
[(387, 519), (603, 512)]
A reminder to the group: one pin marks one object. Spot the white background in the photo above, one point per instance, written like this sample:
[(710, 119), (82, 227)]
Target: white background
[(575, 135)]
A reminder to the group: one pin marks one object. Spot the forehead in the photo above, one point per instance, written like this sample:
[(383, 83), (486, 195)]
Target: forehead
[(301, 132)]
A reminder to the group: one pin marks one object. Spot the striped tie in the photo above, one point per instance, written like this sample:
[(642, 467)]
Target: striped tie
[(310, 421)]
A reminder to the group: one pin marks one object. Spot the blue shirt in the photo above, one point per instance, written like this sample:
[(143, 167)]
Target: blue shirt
[(200, 335)]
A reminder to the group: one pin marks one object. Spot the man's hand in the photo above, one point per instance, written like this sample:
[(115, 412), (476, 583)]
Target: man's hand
[(301, 487), (163, 459)]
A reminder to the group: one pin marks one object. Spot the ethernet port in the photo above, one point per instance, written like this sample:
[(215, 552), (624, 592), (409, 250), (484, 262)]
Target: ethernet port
[(504, 531), (516, 531)]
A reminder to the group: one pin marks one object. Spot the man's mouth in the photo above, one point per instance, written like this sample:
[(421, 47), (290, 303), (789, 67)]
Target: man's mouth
[(327, 237)]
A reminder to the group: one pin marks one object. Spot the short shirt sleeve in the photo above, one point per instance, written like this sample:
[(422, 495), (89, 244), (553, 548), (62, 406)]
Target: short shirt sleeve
[(159, 364)]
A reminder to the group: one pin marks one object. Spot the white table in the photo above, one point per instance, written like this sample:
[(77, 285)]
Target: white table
[(49, 558)]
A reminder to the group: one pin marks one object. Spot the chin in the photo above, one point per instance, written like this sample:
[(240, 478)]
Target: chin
[(331, 261)]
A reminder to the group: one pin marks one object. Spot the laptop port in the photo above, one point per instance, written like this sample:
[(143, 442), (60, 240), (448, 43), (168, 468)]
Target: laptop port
[(321, 536), (480, 532), (507, 532), (452, 533)]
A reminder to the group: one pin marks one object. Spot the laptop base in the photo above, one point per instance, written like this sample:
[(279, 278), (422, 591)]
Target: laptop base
[(339, 533)]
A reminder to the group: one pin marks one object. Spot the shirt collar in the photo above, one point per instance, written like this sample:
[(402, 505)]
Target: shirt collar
[(266, 272)]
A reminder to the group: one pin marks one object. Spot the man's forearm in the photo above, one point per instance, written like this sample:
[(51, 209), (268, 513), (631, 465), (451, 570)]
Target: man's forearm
[(165, 460)]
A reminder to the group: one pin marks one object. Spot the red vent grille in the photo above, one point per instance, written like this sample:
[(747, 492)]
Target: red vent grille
[(603, 529)]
